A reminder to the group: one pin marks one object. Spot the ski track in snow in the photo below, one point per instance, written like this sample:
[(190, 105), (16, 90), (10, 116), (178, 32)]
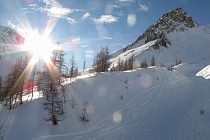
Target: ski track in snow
[(142, 115), (153, 94)]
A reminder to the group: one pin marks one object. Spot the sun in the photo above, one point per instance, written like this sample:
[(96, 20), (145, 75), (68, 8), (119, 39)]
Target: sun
[(41, 46)]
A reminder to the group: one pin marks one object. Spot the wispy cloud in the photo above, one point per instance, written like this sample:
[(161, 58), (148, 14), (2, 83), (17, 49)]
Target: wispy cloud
[(107, 38), (143, 7), (125, 3), (106, 19), (85, 16), (53, 9)]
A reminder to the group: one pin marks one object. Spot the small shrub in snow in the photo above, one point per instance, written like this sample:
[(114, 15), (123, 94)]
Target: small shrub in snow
[(1, 132), (170, 68), (73, 103), (202, 111), (54, 120), (126, 81), (178, 61), (162, 65), (121, 97), (84, 115)]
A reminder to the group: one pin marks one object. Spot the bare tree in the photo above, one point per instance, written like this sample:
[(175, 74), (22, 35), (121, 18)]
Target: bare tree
[(144, 64), (14, 82), (73, 68), (153, 62), (120, 64), (101, 63), (84, 66), (130, 63)]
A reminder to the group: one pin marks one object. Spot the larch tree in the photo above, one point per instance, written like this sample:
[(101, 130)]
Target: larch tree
[(101, 62), (153, 62)]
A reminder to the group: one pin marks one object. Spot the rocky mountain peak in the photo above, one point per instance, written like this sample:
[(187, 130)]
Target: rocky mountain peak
[(176, 20)]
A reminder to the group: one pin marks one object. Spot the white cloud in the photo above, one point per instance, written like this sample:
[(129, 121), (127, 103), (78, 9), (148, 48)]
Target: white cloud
[(143, 7), (108, 8), (51, 2), (54, 9), (70, 20), (106, 19), (131, 20), (58, 12), (85, 16)]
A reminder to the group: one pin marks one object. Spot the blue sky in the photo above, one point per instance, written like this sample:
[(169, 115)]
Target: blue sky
[(84, 26)]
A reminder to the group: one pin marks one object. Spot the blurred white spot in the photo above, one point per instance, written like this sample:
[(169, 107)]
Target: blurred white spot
[(145, 80), (85, 16), (29, 1), (90, 109), (131, 20), (117, 117), (89, 54), (72, 42), (101, 30), (109, 8), (76, 40), (102, 91)]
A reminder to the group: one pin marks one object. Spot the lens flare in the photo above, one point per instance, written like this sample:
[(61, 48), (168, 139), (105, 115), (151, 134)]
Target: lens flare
[(41, 46)]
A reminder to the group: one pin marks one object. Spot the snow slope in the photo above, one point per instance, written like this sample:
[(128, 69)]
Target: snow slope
[(156, 105)]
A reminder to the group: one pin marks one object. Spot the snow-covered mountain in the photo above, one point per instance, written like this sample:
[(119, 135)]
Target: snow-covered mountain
[(140, 104), (9, 40), (175, 35)]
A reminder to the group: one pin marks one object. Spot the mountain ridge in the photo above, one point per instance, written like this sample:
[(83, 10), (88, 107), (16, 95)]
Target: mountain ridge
[(176, 20), (186, 41)]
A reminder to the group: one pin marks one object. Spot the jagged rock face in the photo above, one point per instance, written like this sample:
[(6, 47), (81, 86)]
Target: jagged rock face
[(176, 20)]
